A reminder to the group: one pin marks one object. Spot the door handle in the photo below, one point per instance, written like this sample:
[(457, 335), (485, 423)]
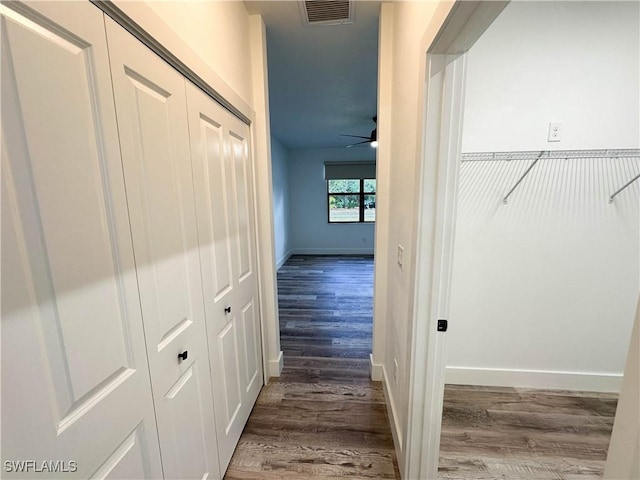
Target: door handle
[(227, 310), (183, 356)]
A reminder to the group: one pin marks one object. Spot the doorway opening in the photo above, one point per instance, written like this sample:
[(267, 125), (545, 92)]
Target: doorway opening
[(326, 310), (523, 199)]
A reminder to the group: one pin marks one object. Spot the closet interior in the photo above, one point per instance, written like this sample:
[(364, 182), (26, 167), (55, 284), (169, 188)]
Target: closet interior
[(546, 258)]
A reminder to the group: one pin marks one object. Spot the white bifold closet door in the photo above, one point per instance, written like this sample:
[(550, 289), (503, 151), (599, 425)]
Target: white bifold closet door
[(76, 396), (152, 121), (226, 228)]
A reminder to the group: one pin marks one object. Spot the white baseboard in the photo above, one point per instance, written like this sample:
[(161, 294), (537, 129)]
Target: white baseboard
[(275, 366), (377, 371), (396, 430), (333, 251), (553, 380), (283, 260)]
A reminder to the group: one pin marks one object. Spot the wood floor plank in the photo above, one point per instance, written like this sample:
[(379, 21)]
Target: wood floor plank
[(323, 418), (494, 432), (318, 462)]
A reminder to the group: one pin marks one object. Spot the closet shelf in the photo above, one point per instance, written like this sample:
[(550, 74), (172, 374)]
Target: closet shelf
[(536, 155), (550, 154)]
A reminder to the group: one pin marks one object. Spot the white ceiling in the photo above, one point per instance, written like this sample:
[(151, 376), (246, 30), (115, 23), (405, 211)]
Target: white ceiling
[(322, 78)]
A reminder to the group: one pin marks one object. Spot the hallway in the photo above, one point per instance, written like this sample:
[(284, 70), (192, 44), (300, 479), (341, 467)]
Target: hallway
[(323, 418)]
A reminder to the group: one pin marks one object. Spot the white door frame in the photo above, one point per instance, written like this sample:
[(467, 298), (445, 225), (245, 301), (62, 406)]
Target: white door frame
[(439, 179), (442, 128)]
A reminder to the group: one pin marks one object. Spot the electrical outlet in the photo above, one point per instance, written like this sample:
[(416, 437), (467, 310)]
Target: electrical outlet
[(395, 370), (555, 132), (400, 255)]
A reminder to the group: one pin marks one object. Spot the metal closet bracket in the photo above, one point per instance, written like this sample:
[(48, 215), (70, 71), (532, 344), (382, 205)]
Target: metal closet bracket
[(623, 187), (533, 164)]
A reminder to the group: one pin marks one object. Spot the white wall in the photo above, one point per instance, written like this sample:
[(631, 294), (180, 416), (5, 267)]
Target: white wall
[(544, 288), (310, 231), (406, 30), (573, 62), (545, 285), (218, 31), (280, 165), (265, 238)]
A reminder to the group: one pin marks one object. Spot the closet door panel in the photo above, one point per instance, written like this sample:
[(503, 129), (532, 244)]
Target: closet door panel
[(230, 396), (243, 230), (251, 334), (151, 109), (73, 352), (224, 202), (245, 275), (213, 181), (162, 240)]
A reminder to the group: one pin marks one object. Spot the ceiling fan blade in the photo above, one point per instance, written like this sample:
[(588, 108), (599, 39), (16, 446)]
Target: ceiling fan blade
[(356, 136), (359, 143)]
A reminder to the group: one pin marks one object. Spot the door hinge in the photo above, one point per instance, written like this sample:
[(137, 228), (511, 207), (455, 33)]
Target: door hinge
[(442, 325)]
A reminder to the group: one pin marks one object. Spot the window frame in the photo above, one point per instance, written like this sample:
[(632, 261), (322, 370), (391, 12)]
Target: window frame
[(361, 194)]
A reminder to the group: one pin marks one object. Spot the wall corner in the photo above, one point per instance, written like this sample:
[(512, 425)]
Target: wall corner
[(265, 239)]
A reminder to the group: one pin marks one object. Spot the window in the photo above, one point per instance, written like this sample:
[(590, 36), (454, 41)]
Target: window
[(352, 201)]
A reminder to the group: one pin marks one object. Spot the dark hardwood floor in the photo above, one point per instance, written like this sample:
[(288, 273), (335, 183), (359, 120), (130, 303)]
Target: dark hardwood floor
[(326, 306), (323, 418), (494, 432)]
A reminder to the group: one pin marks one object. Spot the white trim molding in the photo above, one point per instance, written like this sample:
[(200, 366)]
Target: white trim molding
[(283, 260), (275, 366), (545, 379), (392, 412), (377, 370), (444, 90), (453, 29), (333, 251)]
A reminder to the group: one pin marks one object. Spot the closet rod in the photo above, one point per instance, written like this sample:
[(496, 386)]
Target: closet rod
[(533, 164), (623, 187)]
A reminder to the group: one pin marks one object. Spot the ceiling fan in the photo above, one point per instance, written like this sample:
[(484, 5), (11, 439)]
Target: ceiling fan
[(371, 139)]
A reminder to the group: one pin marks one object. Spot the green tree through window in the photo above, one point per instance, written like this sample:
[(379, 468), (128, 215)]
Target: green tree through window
[(351, 201)]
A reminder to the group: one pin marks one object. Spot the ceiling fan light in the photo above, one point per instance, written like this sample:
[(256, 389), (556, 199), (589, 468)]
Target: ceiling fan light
[(374, 144)]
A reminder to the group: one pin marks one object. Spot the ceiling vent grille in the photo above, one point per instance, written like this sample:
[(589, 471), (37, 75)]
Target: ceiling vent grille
[(327, 12)]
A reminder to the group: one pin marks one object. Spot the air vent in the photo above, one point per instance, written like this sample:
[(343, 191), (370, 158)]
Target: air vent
[(327, 12)]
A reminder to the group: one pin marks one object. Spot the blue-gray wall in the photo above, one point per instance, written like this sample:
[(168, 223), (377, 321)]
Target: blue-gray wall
[(280, 180), (310, 231)]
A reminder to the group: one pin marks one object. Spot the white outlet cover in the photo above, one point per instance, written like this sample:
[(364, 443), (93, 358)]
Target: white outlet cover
[(555, 132)]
